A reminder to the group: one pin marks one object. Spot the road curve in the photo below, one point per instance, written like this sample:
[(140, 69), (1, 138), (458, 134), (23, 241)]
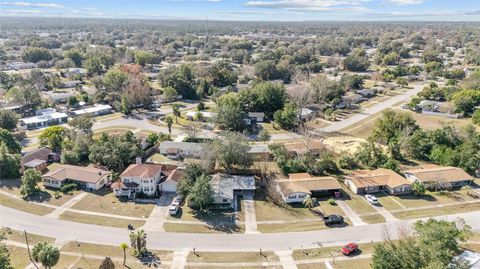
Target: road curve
[(67, 230)]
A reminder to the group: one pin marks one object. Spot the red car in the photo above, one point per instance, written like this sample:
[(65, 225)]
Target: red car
[(349, 249)]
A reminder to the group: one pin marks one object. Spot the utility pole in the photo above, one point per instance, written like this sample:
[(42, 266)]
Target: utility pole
[(206, 31), (28, 249)]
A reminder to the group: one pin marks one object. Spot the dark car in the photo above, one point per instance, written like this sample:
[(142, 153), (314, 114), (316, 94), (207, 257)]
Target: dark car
[(333, 219), (350, 249)]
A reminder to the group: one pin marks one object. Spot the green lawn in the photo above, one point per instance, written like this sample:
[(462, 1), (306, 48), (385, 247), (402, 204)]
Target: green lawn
[(19, 236), (312, 266), (357, 202), (268, 211), (188, 214), (24, 206), (99, 220), (326, 252), (352, 264), (371, 219), (434, 198), (104, 201), (18, 257)]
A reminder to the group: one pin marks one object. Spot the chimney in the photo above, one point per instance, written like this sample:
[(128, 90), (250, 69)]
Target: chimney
[(138, 160)]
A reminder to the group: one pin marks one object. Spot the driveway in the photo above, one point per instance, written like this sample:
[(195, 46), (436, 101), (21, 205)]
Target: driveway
[(159, 213), (67, 230)]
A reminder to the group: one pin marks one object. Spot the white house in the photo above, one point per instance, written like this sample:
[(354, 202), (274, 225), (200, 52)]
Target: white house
[(143, 178), (180, 150), (87, 177), (95, 110), (44, 120), (169, 183), (300, 185), (227, 188), (257, 116), (205, 115)]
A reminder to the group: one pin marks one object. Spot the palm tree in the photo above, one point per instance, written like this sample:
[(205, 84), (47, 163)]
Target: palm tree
[(310, 202), (46, 254), (169, 121), (176, 111), (124, 247)]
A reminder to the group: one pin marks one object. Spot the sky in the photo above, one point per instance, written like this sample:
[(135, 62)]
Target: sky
[(251, 10)]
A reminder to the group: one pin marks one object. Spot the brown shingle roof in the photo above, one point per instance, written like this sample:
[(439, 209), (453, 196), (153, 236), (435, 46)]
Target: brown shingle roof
[(175, 175), (378, 177), (307, 184), (440, 174), (78, 173), (146, 170), (37, 154)]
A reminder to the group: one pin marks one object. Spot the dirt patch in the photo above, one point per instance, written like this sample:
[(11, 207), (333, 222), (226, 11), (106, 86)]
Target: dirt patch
[(341, 144)]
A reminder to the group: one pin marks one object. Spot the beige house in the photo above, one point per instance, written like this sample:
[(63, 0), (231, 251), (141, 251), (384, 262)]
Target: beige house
[(87, 177), (302, 147), (370, 181), (300, 185), (448, 176)]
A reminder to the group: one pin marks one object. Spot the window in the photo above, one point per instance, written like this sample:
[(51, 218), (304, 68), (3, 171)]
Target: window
[(225, 200), (302, 196), (292, 197)]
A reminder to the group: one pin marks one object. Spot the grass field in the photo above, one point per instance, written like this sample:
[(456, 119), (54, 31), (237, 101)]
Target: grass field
[(326, 252), (104, 201), (203, 228), (371, 219), (291, 227), (232, 257), (100, 220), (445, 210), (24, 206)]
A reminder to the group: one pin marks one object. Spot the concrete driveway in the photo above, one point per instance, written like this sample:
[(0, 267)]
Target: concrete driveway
[(159, 213)]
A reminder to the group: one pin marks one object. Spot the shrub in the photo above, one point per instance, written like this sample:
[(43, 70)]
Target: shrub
[(331, 201), (68, 187)]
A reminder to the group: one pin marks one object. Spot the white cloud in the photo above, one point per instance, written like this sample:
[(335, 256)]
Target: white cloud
[(406, 2), (309, 5), (28, 4)]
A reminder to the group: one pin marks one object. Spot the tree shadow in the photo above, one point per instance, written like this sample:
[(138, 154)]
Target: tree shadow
[(10, 184), (39, 197)]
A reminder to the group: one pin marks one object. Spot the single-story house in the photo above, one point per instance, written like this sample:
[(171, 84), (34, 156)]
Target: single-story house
[(70, 84), (95, 110), (58, 97), (170, 182), (448, 176), (45, 111), (181, 150), (470, 258), (21, 65), (370, 181), (205, 115), (38, 159), (227, 188), (301, 147), (142, 178), (367, 93), (257, 116), (300, 185), (88, 177), (44, 120), (260, 152)]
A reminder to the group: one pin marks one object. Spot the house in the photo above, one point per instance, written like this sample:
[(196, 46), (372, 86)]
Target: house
[(448, 176), (302, 147), (300, 185), (204, 115), (228, 188), (21, 65), (260, 152), (367, 93), (70, 84), (53, 118), (370, 181), (87, 177), (256, 116), (170, 182), (58, 97), (141, 178), (38, 159), (181, 150), (96, 110)]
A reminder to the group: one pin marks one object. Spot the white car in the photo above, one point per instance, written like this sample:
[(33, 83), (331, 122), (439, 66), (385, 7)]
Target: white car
[(173, 209), (371, 199)]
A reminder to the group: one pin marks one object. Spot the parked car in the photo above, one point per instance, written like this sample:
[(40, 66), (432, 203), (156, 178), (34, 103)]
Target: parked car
[(173, 209), (178, 199), (349, 249), (333, 219), (371, 199)]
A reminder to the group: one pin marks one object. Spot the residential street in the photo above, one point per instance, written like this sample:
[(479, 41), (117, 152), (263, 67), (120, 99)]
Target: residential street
[(66, 230), (336, 126)]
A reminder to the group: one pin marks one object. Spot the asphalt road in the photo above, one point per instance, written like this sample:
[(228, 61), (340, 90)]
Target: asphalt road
[(66, 230), (336, 126)]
